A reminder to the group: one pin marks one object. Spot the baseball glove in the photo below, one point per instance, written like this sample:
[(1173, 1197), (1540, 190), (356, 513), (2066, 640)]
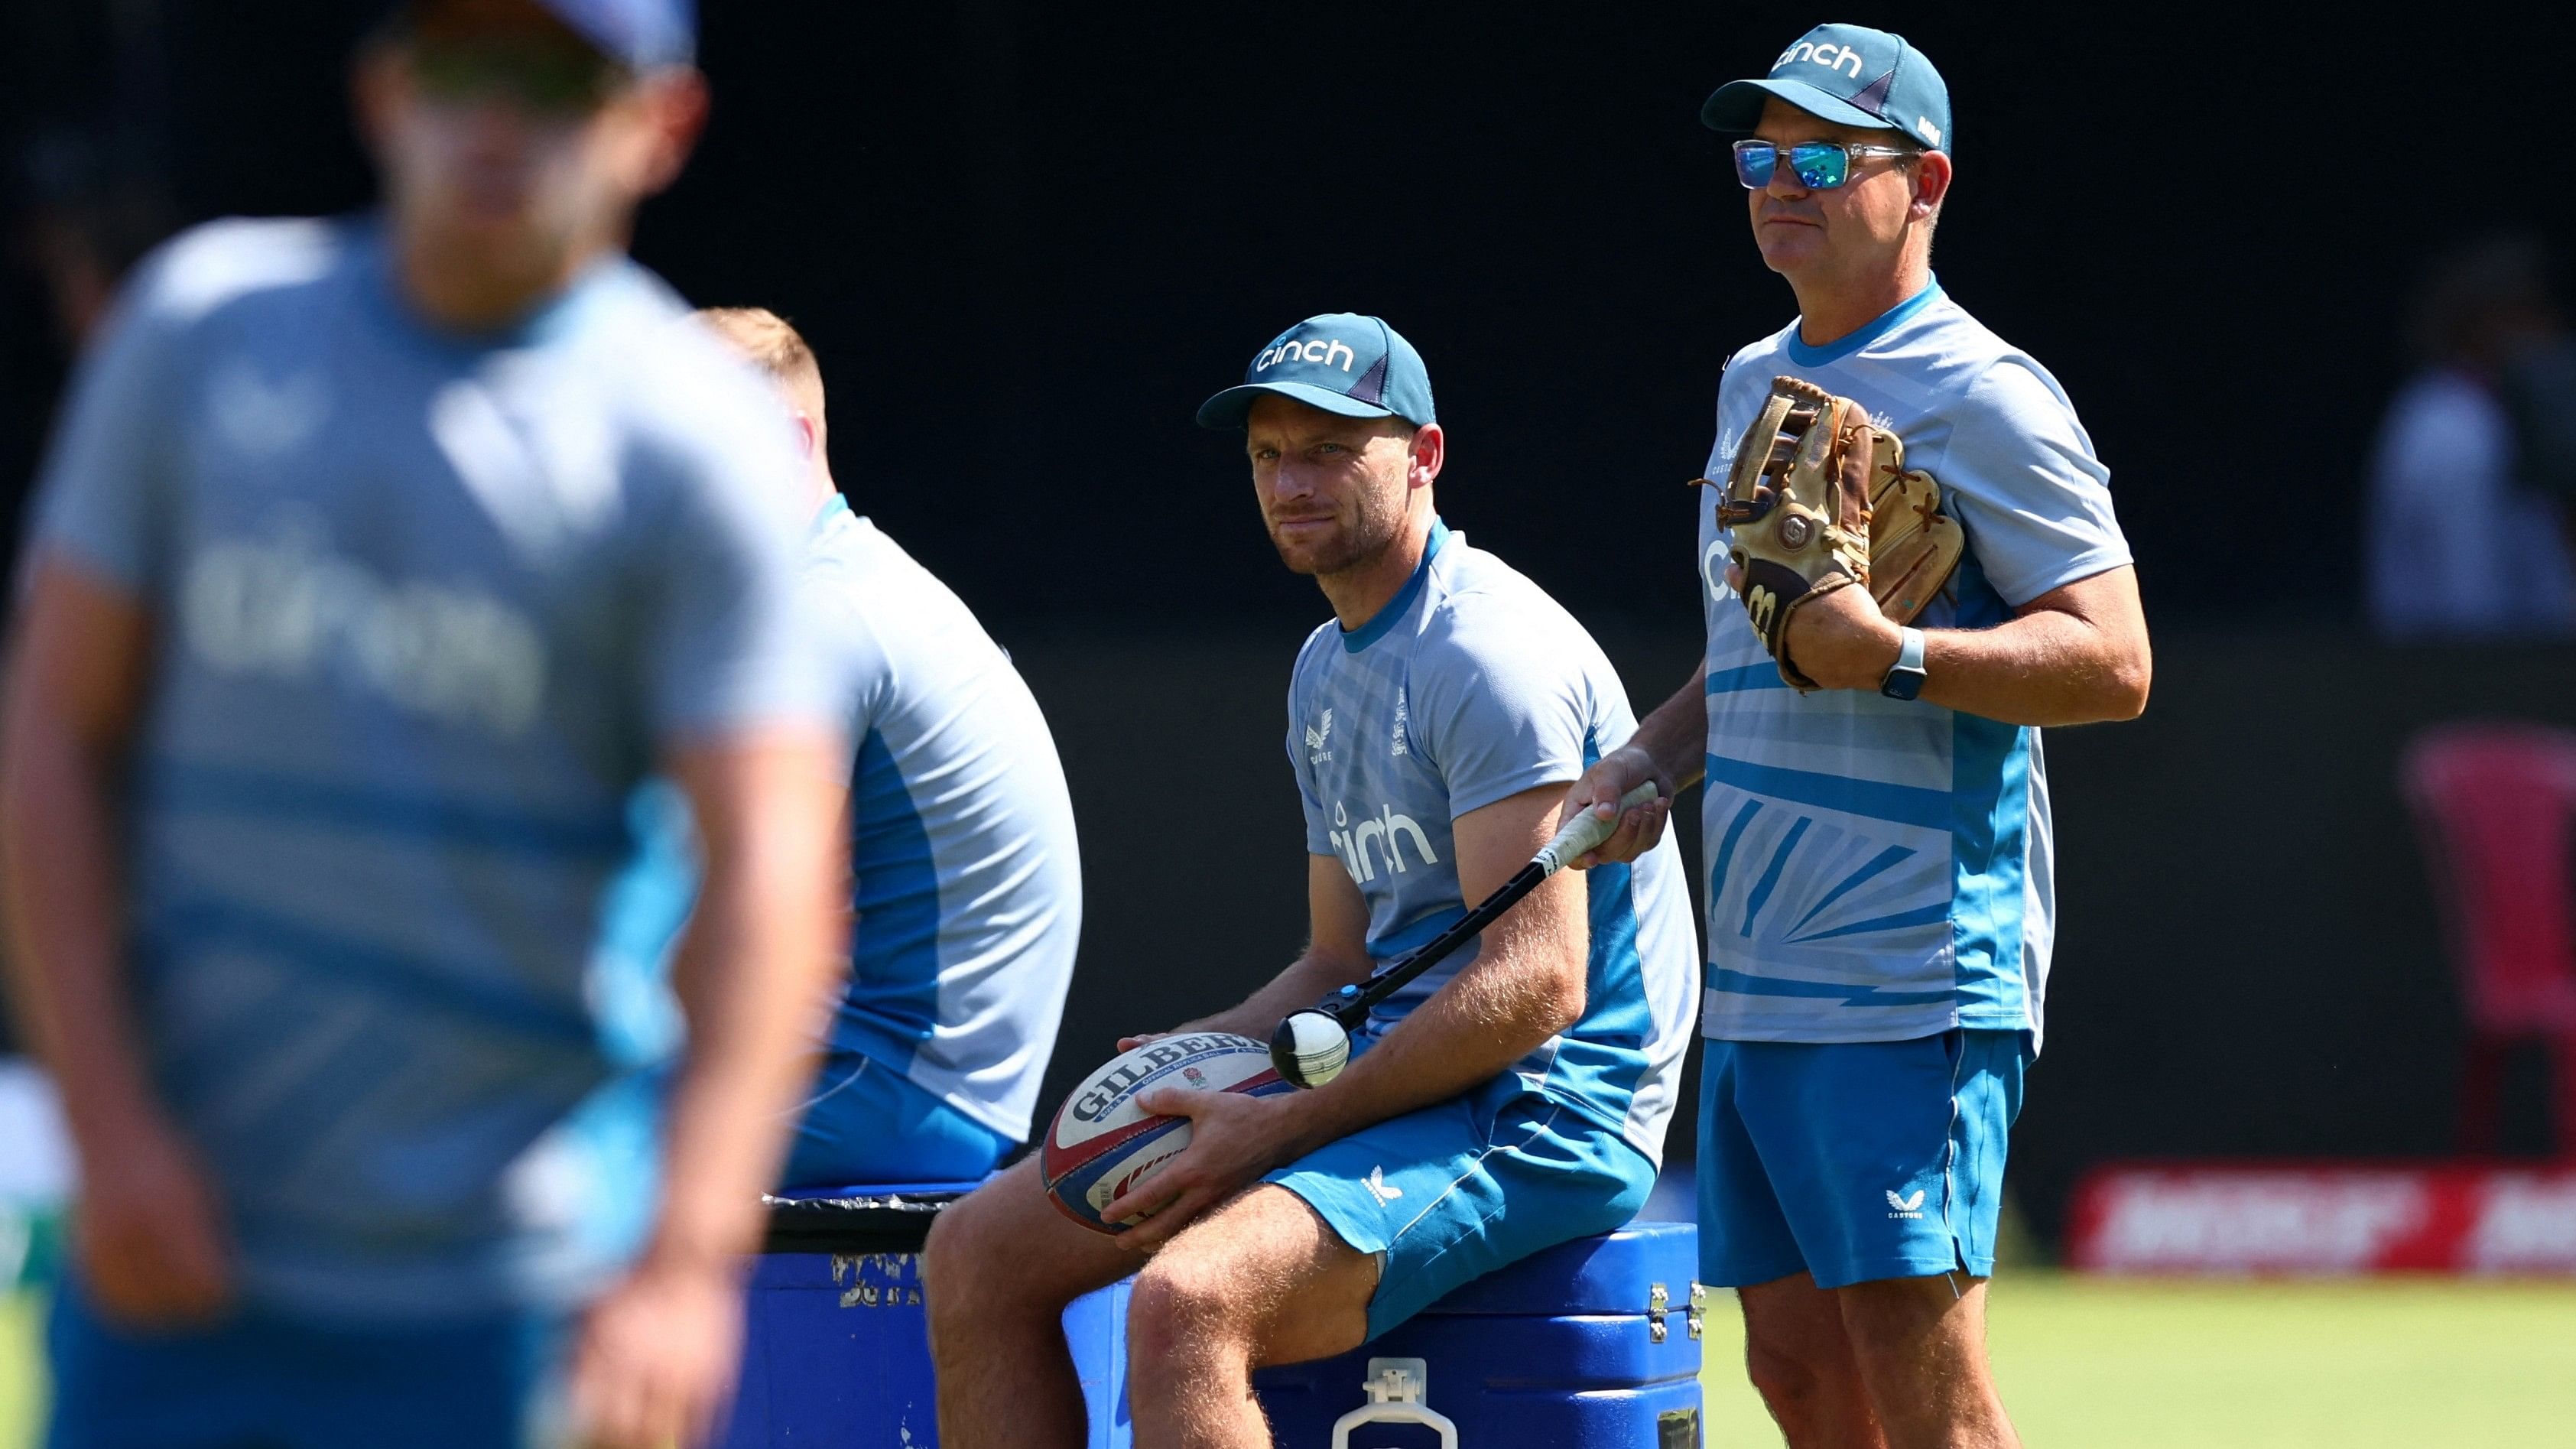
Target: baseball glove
[(1820, 497)]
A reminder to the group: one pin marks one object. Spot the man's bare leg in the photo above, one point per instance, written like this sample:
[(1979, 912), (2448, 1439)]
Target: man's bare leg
[(1921, 1346), (1000, 1268), (1260, 1280), (1799, 1357)]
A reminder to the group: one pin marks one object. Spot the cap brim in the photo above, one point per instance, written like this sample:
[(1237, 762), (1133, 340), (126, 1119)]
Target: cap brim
[(1228, 408), (1737, 105)]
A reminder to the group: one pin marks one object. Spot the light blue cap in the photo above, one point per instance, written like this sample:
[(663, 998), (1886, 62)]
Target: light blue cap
[(1341, 362), (638, 34), (1849, 74)]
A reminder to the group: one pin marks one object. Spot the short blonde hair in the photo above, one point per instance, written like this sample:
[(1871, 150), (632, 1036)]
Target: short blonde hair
[(772, 344)]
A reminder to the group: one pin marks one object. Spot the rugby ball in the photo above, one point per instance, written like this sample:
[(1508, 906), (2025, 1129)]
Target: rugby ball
[(1102, 1144)]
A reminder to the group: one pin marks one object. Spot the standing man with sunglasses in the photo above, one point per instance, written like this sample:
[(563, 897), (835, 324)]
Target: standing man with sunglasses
[(377, 564), (1879, 896)]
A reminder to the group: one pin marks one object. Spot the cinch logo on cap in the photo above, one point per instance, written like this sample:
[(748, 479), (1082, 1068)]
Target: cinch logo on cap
[(1307, 350), (1832, 57), (1340, 362), (1848, 74)]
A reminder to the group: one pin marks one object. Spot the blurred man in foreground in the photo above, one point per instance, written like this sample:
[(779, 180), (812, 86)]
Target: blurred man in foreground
[(376, 564), (969, 887)]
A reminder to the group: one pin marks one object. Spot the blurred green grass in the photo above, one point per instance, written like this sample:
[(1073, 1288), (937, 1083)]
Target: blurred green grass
[(2364, 1364), (2093, 1364), (21, 1382)]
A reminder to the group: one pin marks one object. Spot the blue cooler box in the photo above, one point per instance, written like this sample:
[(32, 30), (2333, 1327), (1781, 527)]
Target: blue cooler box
[(836, 1344), (1592, 1344)]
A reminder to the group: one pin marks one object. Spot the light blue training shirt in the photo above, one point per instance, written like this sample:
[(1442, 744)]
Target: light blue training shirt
[(1879, 870), (969, 881), (1469, 687), (426, 610)]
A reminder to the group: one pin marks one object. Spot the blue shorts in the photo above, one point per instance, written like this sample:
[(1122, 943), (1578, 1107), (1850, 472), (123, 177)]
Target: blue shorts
[(1854, 1161), (279, 1383), (867, 1123), (1448, 1194)]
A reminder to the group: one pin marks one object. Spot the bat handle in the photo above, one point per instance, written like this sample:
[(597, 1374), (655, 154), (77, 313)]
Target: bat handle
[(1348, 1006), (1587, 830)]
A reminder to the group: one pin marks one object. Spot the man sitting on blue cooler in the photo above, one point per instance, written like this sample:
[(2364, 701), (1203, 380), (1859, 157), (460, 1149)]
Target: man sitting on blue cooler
[(969, 888), (1511, 1098)]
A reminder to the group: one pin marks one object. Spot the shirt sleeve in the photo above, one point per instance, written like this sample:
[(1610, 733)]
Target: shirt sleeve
[(2021, 477), (726, 645), (857, 652), (1500, 704), (1319, 840), (102, 498)]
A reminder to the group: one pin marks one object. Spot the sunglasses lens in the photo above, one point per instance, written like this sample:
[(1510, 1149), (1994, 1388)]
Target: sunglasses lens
[(1820, 165), (549, 81), (1754, 163)]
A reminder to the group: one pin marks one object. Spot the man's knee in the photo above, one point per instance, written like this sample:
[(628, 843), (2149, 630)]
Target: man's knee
[(1795, 1353), (1783, 1376), (967, 1266), (1186, 1302), (1904, 1319), (1795, 1372), (948, 1257)]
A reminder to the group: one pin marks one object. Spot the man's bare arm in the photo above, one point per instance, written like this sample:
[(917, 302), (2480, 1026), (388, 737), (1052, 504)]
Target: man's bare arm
[(765, 946), (2077, 654), (761, 952), (1525, 985), (148, 1231)]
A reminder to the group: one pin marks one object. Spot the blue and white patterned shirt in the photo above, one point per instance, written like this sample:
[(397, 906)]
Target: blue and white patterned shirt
[(1879, 870)]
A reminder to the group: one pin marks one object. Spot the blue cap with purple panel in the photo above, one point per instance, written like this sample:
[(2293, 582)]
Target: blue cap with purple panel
[(1849, 74), (1341, 362)]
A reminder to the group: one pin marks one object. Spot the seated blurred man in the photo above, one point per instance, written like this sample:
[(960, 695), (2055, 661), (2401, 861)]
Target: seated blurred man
[(969, 890), (376, 565)]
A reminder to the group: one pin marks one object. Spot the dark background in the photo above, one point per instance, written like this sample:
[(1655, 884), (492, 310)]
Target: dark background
[(1026, 239)]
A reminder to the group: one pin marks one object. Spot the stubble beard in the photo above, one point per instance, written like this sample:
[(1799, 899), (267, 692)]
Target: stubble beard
[(1370, 533)]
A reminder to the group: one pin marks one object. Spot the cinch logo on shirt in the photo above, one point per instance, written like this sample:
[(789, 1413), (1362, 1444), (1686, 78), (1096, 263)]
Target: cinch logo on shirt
[(1831, 57), (1323, 352), (1383, 835), (289, 609)]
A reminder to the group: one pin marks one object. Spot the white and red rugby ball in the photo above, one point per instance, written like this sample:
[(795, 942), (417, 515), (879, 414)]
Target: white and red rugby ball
[(1102, 1144)]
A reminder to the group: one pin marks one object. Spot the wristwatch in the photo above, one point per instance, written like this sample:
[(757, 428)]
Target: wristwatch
[(1905, 677)]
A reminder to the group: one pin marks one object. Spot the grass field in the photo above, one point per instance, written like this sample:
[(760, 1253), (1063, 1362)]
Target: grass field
[(2107, 1365), (2092, 1364)]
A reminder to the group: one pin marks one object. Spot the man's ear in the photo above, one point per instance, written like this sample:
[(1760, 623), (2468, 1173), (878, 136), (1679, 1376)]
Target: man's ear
[(374, 79), (1931, 182), (676, 108), (1428, 450)]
